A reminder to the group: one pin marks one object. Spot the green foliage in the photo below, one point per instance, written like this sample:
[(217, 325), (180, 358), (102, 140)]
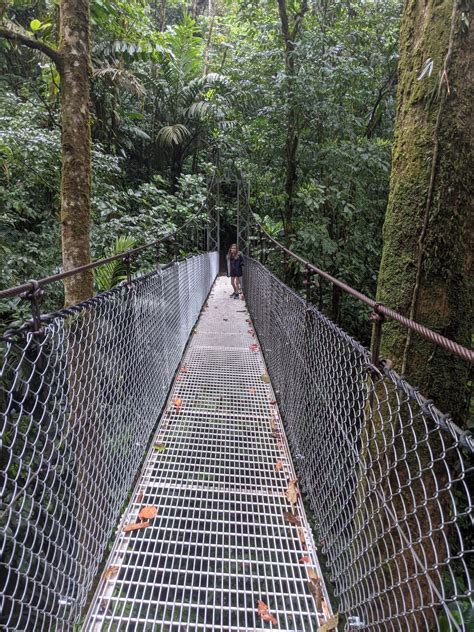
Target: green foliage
[(170, 102), (462, 612), (114, 272)]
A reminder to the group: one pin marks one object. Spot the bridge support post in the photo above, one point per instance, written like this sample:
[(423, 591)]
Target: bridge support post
[(243, 223), (377, 318)]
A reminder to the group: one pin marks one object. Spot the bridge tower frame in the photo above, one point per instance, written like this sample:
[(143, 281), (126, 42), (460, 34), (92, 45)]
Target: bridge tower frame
[(243, 219)]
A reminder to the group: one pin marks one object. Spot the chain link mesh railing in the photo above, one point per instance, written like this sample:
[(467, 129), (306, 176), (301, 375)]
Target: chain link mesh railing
[(386, 474), (80, 401)]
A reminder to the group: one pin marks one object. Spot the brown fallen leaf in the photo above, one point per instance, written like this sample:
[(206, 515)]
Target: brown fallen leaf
[(317, 592), (301, 537), (110, 572), (146, 513), (278, 465), (135, 526), (273, 425), (253, 347), (304, 559), (312, 573), (140, 497), (264, 614), (291, 492), (273, 402), (330, 624), (159, 447), (178, 402), (265, 378), (325, 609), (292, 518), (252, 391)]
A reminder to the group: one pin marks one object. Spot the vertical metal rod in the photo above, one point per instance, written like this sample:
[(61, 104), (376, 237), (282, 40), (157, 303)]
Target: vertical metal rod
[(238, 240), (262, 260), (377, 318), (308, 282), (157, 254), (34, 295), (128, 267)]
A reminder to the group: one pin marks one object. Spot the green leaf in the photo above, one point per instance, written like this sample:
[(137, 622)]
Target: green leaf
[(35, 25)]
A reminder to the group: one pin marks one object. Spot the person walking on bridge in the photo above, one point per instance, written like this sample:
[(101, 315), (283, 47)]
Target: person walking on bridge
[(235, 262)]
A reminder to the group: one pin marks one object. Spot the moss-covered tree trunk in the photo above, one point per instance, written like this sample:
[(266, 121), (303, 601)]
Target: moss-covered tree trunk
[(74, 49), (424, 274), (426, 260)]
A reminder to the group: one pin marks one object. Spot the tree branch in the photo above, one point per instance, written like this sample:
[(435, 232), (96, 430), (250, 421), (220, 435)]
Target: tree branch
[(34, 44)]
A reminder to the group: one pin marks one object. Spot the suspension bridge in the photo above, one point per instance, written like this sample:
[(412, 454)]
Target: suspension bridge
[(174, 459)]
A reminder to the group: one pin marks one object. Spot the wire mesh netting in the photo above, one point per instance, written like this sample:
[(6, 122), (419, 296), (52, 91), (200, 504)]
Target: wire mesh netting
[(80, 400), (387, 475), (222, 539)]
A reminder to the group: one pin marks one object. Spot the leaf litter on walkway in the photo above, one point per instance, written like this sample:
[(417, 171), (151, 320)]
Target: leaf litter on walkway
[(264, 612)]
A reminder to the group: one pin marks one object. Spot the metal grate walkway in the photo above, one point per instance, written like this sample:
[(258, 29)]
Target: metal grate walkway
[(218, 475)]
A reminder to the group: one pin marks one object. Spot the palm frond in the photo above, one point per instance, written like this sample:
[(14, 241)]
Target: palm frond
[(111, 274), (199, 110), (121, 77), (173, 134)]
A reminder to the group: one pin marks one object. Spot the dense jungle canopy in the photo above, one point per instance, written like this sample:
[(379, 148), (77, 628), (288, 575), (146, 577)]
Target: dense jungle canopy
[(333, 116)]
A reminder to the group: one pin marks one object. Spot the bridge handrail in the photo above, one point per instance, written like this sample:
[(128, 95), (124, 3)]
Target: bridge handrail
[(127, 255), (379, 309)]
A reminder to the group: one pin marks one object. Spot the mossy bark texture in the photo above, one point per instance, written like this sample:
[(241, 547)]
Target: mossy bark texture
[(426, 263), (74, 51)]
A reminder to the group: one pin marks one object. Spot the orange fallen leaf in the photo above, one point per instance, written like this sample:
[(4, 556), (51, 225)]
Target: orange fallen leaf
[(291, 492), (253, 347), (278, 465), (184, 369), (291, 518), (110, 572), (312, 573), (178, 402), (135, 526), (146, 513), (264, 614), (304, 559), (273, 426), (179, 378)]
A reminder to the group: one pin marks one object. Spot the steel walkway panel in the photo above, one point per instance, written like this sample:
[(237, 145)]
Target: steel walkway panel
[(217, 473)]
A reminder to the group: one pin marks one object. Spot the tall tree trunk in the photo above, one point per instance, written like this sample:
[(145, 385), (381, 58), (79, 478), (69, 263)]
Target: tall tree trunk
[(426, 260), (74, 49), (290, 34), (72, 60)]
